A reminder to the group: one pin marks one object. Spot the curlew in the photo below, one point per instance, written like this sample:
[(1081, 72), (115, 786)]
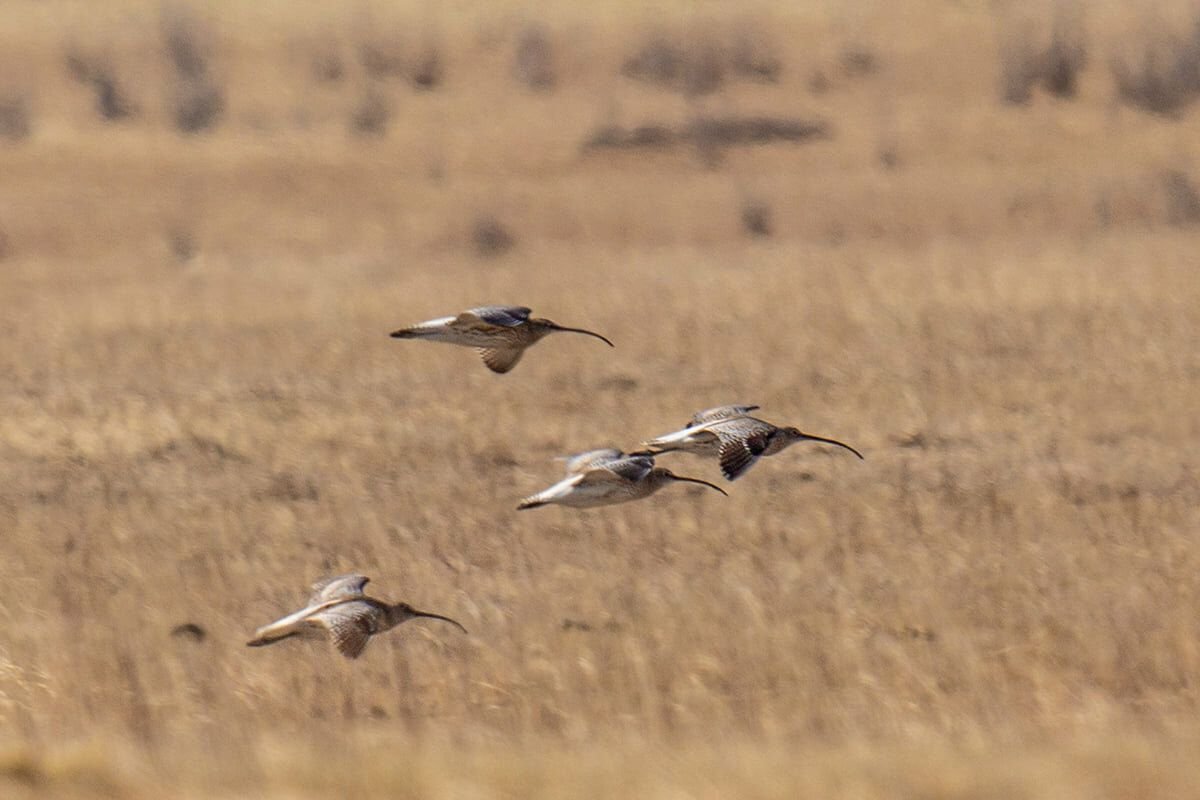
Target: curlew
[(608, 476), (735, 438), (501, 334), (340, 610)]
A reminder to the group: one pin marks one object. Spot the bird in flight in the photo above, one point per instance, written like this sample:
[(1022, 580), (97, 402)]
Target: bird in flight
[(501, 334), (605, 477), (340, 610), (735, 438)]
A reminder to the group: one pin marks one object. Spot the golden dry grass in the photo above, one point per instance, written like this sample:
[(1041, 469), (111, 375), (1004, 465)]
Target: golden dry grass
[(200, 413)]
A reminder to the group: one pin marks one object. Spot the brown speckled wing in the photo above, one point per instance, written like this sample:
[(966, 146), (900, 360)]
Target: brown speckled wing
[(349, 627), (719, 413), (501, 359), (630, 468), (582, 462), (738, 454)]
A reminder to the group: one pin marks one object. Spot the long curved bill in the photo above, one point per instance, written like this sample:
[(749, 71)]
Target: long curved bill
[(812, 438), (604, 339), (428, 615), (702, 483)]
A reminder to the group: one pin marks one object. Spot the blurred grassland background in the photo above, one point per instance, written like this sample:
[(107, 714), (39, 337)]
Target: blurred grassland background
[(961, 236)]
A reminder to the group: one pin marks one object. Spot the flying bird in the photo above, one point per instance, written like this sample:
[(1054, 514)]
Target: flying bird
[(605, 477), (735, 438), (339, 609), (501, 334)]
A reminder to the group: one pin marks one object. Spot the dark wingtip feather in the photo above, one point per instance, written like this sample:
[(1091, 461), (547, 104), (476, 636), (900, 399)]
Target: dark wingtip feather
[(736, 458)]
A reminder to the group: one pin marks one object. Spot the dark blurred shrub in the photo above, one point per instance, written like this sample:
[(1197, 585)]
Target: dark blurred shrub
[(327, 66), (756, 219), (1064, 59), (381, 59), (184, 48), (1020, 68), (710, 133), (857, 61), (728, 131), (1024, 65), (695, 70), (752, 59), (111, 103), (197, 99), (372, 115), (658, 61), (616, 137), (14, 117), (183, 245), (198, 106), (289, 487), (490, 237), (702, 65), (533, 62), (1183, 200), (818, 82), (428, 72), (1164, 78), (703, 70)]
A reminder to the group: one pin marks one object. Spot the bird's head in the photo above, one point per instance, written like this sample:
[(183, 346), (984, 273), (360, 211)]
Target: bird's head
[(665, 475), (792, 435), (544, 327), (402, 612)]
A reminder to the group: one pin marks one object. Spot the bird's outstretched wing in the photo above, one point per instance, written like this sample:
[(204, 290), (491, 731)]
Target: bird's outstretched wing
[(336, 588), (349, 626), (582, 462), (499, 316), (630, 468), (501, 359), (739, 451), (718, 413)]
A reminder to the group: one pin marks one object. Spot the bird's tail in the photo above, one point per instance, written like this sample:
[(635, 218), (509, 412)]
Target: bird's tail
[(679, 440), (553, 494), (408, 333), (280, 629), (429, 329), (265, 639)]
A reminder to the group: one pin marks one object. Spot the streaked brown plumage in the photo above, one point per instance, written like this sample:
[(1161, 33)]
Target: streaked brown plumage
[(736, 439), (339, 609), (500, 333), (605, 477)]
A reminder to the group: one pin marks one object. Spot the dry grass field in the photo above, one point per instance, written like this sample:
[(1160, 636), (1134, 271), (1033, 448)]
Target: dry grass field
[(983, 271)]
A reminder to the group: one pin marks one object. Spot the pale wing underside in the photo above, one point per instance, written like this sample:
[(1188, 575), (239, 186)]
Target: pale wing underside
[(282, 628), (296, 623), (432, 324), (339, 587)]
